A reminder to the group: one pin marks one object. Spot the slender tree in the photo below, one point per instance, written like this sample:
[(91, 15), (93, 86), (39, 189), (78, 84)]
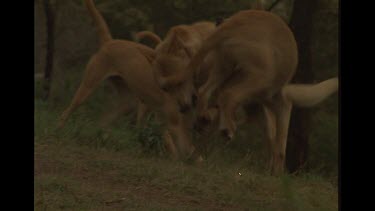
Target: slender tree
[(298, 140), (50, 25)]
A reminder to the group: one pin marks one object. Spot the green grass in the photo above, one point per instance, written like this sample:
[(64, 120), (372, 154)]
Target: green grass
[(85, 167), (84, 178)]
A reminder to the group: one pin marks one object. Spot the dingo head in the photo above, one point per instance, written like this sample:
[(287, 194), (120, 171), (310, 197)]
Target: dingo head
[(170, 65), (169, 74)]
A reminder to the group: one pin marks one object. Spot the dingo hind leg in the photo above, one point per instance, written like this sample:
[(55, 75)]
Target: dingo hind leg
[(281, 108), (95, 73)]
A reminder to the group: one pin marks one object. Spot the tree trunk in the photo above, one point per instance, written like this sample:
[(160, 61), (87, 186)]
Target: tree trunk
[(50, 48), (298, 138)]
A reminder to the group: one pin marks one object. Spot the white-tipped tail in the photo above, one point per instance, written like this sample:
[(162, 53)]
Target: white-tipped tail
[(308, 95)]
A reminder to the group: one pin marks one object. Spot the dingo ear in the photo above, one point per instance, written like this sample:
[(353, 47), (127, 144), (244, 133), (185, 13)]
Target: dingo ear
[(188, 50), (178, 41)]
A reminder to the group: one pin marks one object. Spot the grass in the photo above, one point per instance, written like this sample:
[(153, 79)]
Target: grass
[(85, 167), (85, 178)]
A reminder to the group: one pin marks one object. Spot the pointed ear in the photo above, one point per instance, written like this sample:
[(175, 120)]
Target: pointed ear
[(180, 35), (188, 49)]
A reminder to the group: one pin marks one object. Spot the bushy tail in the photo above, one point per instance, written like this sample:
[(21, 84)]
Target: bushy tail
[(101, 25), (308, 95), (147, 34)]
